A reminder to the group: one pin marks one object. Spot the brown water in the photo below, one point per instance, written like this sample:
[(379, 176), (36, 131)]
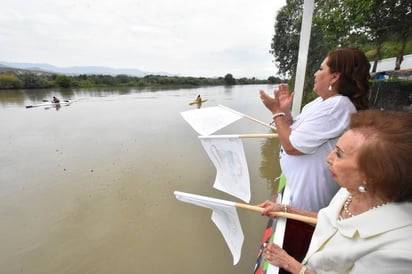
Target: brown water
[(88, 188)]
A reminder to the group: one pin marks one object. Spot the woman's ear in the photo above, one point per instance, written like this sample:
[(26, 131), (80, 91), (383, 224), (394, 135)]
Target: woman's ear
[(335, 77)]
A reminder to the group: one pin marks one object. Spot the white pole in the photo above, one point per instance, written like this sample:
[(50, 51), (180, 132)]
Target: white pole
[(308, 7)]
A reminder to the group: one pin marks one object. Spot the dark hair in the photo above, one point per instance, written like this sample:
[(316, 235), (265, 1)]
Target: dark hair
[(386, 156), (353, 67)]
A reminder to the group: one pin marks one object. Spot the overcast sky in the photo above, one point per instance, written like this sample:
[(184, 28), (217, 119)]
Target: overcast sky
[(185, 37)]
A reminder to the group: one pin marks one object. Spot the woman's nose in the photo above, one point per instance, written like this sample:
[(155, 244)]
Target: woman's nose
[(329, 159)]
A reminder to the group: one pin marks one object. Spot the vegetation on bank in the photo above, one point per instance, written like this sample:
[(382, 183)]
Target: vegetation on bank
[(29, 80)]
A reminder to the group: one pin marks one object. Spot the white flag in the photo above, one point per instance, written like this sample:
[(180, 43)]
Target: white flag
[(225, 218), (206, 121), (227, 154)]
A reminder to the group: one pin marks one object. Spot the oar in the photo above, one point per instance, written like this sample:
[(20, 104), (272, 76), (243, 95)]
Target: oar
[(249, 117), (197, 102), (47, 101)]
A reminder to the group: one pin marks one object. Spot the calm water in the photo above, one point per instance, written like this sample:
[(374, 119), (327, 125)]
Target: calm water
[(88, 188)]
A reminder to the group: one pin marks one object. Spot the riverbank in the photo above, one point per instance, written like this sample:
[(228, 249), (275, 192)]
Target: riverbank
[(25, 79)]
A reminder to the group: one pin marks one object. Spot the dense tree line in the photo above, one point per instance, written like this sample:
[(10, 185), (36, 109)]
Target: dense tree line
[(13, 80), (381, 28)]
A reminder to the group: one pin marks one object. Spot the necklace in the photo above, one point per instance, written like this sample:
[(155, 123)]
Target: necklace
[(346, 206), (349, 200)]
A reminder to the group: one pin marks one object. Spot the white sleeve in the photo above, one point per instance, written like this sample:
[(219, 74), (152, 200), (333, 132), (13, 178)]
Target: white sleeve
[(326, 121)]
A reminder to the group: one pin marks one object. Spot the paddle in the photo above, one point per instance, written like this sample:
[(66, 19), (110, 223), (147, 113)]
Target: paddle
[(197, 102), (46, 101)]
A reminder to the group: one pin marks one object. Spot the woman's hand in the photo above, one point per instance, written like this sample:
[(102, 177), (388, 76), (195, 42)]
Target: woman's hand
[(285, 97), (280, 102), (269, 206), (275, 255)]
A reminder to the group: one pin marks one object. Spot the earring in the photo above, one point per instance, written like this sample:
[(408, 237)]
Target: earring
[(330, 88), (362, 189)]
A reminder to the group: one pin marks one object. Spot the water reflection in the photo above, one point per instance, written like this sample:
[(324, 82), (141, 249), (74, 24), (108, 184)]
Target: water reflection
[(23, 97), (228, 89), (269, 167), (56, 107)]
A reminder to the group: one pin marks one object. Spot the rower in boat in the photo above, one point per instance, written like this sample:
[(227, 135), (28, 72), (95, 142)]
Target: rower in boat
[(55, 100), (198, 99)]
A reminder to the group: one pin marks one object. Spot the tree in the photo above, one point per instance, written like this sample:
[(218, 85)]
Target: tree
[(229, 80), (10, 81), (33, 81), (401, 27), (274, 80), (64, 81), (380, 21), (285, 42), (340, 23)]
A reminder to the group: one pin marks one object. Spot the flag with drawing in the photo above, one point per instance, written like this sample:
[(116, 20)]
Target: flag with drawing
[(228, 156)]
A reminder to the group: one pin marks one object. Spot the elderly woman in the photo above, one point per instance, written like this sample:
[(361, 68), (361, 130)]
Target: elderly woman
[(367, 227)]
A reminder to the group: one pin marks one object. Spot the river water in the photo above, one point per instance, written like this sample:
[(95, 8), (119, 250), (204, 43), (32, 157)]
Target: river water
[(88, 187)]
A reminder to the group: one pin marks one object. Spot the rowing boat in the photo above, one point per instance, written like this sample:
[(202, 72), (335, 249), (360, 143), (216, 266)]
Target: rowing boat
[(51, 104)]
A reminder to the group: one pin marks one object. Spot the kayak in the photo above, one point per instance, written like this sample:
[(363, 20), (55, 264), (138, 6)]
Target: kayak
[(197, 102), (50, 104)]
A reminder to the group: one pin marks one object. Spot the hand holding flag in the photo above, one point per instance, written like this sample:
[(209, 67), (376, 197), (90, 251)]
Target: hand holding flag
[(227, 221)]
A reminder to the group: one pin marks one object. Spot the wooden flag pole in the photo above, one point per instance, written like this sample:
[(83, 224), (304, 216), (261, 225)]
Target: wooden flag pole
[(292, 216), (249, 117), (269, 135), (254, 135)]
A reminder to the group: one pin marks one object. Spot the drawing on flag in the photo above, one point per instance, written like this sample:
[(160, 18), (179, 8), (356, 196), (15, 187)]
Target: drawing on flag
[(206, 121), (228, 156), (225, 218)]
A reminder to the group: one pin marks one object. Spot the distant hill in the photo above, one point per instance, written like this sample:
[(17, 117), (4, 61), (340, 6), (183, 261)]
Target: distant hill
[(4, 69), (46, 68)]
